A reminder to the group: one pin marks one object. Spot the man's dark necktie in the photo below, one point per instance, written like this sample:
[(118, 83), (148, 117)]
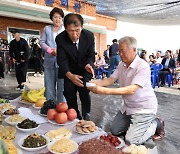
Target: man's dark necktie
[(75, 47)]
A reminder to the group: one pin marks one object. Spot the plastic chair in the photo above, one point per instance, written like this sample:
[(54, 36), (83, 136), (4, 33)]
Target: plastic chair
[(155, 74), (169, 79), (101, 71)]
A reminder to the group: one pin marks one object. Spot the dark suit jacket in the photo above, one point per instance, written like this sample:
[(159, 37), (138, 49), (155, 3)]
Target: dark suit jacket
[(16, 48), (67, 57), (171, 65)]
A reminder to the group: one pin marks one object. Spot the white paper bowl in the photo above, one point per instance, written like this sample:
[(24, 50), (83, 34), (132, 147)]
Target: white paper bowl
[(50, 144), (21, 141), (11, 123), (27, 130), (90, 84)]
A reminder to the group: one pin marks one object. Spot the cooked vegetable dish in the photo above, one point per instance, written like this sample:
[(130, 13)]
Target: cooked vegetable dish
[(27, 124), (34, 140)]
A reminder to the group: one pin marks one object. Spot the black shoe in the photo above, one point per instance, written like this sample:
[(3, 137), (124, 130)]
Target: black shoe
[(162, 85), (22, 87), (86, 117), (18, 87)]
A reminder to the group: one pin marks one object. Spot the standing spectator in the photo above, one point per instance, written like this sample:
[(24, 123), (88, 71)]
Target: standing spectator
[(54, 86), (75, 57), (168, 67), (1, 68), (114, 56), (106, 54), (37, 55), (19, 52), (158, 57)]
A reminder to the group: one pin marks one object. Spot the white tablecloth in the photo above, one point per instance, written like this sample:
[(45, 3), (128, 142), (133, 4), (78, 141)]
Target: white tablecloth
[(79, 138), (48, 126)]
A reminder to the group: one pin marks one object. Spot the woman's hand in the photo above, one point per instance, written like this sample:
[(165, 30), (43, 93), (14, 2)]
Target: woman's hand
[(53, 53)]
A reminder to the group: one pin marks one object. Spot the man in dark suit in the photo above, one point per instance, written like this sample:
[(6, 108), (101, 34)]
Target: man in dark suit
[(19, 52), (75, 57), (168, 67)]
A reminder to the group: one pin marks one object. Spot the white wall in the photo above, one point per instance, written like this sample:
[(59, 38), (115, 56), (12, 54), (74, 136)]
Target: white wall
[(150, 38)]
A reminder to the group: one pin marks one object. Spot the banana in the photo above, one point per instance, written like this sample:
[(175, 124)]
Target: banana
[(24, 95), (41, 92), (33, 98)]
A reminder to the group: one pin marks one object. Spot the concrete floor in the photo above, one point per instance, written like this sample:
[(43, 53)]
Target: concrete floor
[(104, 109)]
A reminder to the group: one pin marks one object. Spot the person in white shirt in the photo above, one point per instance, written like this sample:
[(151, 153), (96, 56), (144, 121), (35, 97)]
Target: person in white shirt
[(158, 57)]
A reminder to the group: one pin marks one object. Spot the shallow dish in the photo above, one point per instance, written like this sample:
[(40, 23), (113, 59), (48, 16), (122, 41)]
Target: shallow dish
[(122, 144), (21, 140), (11, 123), (3, 110), (27, 130), (74, 128), (34, 106), (25, 102), (39, 112), (50, 144), (54, 122)]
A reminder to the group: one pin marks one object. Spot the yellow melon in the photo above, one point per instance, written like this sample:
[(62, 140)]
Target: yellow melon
[(40, 102)]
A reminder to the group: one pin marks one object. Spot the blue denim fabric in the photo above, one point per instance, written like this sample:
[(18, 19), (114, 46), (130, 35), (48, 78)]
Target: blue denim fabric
[(114, 61), (54, 86)]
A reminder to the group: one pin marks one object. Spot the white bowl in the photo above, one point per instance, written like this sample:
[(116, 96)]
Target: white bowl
[(11, 123), (50, 144), (27, 130), (90, 84), (21, 141)]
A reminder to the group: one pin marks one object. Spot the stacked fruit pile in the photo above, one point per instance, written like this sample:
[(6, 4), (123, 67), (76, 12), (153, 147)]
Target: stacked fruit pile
[(61, 114), (33, 95)]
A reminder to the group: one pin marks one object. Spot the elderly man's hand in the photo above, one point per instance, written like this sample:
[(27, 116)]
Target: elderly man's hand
[(98, 90)]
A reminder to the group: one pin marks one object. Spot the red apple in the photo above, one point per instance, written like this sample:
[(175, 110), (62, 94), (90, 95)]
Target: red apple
[(61, 118), (51, 114), (61, 107), (71, 113)]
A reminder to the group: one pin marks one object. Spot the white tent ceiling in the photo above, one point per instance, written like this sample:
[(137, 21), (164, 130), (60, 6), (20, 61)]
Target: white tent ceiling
[(153, 12)]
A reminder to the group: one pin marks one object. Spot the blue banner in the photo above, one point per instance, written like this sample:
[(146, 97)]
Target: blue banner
[(77, 6), (49, 2), (64, 3)]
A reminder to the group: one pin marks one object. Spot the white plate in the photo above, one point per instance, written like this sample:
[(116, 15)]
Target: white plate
[(54, 122), (39, 112), (10, 123), (121, 144), (50, 144), (27, 130), (13, 106), (74, 128), (25, 102), (34, 106), (21, 141)]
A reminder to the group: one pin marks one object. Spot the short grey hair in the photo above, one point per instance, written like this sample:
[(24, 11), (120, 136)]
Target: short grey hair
[(130, 41)]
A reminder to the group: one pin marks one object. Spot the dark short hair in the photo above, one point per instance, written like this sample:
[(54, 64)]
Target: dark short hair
[(159, 51), (56, 10), (15, 31), (114, 40), (72, 18), (169, 51)]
